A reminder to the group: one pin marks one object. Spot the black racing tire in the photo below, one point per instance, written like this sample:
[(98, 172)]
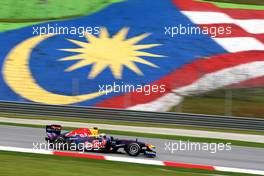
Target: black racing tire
[(59, 140), (59, 143), (133, 149), (114, 150)]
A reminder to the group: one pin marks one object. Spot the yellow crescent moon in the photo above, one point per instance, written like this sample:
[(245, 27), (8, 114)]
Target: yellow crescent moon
[(19, 78)]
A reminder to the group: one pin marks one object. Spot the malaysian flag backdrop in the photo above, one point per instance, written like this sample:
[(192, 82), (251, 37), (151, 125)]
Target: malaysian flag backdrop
[(136, 43)]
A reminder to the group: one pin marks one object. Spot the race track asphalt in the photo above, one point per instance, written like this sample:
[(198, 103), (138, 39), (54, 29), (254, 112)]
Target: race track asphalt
[(238, 157)]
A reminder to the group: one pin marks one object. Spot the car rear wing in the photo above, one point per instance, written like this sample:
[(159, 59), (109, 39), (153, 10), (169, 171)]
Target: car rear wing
[(53, 130)]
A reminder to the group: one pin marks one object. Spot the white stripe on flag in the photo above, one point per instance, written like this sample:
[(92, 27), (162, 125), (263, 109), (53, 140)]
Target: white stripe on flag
[(254, 26), (236, 44), (207, 17), (161, 104)]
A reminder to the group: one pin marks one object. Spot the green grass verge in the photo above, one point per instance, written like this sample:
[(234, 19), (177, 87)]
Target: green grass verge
[(15, 14), (250, 2), (245, 103), (35, 10), (158, 136), (140, 124), (21, 164), (235, 5)]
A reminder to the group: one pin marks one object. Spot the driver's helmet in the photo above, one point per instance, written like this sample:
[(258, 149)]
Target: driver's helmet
[(94, 131)]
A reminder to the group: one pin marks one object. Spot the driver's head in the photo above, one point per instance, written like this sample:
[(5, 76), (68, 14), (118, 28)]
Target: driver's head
[(94, 131)]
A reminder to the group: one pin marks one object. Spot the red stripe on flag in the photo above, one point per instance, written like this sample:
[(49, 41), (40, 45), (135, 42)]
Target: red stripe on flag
[(185, 76), (78, 155), (188, 166), (244, 13), (192, 5)]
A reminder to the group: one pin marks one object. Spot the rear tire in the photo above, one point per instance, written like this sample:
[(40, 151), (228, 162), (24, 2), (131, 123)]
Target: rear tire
[(60, 143), (133, 149), (114, 150)]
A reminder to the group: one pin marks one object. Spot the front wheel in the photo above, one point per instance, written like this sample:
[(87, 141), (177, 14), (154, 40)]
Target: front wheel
[(133, 149)]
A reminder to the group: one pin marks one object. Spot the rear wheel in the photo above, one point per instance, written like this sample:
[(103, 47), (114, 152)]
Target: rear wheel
[(60, 144), (114, 150), (133, 149)]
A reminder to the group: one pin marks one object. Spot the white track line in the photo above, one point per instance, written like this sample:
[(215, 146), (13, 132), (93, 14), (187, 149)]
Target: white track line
[(134, 160), (25, 150), (238, 170)]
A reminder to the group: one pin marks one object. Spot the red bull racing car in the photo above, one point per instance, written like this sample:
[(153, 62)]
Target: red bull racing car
[(86, 139)]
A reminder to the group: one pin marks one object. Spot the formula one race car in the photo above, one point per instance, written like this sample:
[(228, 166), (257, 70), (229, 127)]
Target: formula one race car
[(86, 139)]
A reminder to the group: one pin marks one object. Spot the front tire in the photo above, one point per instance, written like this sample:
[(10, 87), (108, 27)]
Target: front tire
[(133, 149)]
